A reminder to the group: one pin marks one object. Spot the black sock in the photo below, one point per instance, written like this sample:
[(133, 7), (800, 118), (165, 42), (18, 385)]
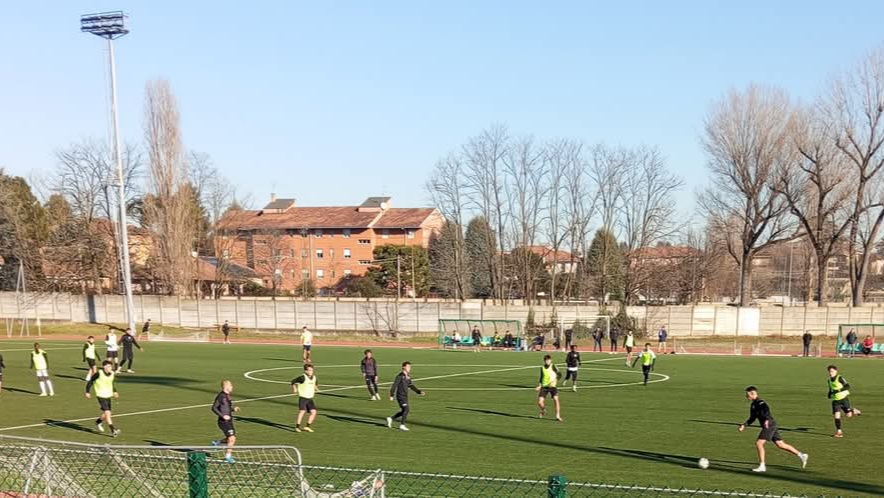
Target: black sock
[(98, 421), (838, 423), (297, 426), (111, 427)]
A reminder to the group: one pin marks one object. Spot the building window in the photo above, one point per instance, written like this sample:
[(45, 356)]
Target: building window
[(346, 253), (319, 254), (364, 242), (292, 273), (317, 234), (331, 274), (385, 234), (411, 234), (304, 253), (319, 274), (305, 274), (303, 234), (291, 253), (346, 273), (346, 233), (331, 254), (365, 262)]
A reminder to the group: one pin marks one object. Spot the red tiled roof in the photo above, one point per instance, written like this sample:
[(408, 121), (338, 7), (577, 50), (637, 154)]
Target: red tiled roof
[(550, 256), (403, 218), (326, 217)]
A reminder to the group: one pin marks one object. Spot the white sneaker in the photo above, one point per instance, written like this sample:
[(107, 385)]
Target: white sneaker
[(130, 371), (403, 428), (390, 422), (574, 388), (803, 457), (760, 468), (99, 427), (43, 394)]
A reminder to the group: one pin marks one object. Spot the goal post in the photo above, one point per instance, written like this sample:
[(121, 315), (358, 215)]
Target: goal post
[(44, 468), (861, 330), (581, 328), (488, 328)]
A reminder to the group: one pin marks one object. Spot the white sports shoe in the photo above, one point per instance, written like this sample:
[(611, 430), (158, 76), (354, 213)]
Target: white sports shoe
[(390, 422), (803, 457), (760, 468), (403, 428), (99, 427)]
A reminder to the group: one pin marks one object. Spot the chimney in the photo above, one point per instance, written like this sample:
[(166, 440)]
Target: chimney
[(272, 197)]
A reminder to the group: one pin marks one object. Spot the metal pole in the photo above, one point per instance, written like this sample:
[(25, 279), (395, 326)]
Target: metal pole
[(398, 278), (124, 229), (789, 292)]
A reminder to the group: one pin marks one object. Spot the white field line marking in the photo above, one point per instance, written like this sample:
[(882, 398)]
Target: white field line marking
[(31, 349), (663, 378), (276, 396)]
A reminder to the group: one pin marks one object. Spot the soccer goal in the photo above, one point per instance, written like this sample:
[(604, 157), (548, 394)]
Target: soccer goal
[(33, 467), (581, 329), (455, 334), (875, 331), (192, 336)]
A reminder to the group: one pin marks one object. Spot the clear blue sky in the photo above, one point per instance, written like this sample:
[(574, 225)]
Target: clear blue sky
[(331, 102)]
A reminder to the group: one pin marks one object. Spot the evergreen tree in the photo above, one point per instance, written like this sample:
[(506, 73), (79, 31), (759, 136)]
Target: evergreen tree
[(448, 266), (23, 231), (604, 263), (480, 245)]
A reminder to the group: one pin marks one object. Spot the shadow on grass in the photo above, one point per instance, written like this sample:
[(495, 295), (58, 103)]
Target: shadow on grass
[(289, 360), (489, 412), (156, 379), (17, 390), (156, 443), (68, 425), (65, 376), (799, 430), (334, 395), (355, 420), (793, 475), (265, 422)]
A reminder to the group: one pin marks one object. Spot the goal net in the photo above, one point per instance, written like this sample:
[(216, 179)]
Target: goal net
[(582, 328), (55, 469), (862, 331), (454, 334), (190, 336)]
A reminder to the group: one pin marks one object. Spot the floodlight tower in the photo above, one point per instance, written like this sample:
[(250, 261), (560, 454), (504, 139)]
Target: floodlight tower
[(110, 26)]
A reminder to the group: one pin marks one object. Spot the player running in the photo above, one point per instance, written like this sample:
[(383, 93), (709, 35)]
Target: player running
[(105, 390), (647, 359), (839, 392), (572, 365), (129, 344), (90, 356), (369, 368), (223, 407), (399, 392), (306, 388), (40, 363), (306, 344), (549, 376), (769, 432), (112, 348)]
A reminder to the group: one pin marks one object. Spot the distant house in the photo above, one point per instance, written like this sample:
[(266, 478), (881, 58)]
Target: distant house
[(556, 261)]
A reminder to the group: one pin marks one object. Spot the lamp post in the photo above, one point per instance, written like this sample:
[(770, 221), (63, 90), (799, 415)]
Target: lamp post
[(110, 26)]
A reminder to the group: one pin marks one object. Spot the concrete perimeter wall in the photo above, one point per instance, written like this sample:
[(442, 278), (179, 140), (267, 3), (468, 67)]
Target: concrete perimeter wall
[(408, 316)]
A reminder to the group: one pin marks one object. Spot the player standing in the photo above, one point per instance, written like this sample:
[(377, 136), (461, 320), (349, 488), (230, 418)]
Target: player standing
[(40, 363), (306, 344), (2, 366), (549, 376), (306, 387), (769, 432), (662, 335), (105, 390), (90, 356), (224, 409), (399, 392), (839, 391), (572, 365), (112, 348), (369, 368), (647, 359), (225, 329), (145, 329), (477, 338), (129, 344), (629, 343)]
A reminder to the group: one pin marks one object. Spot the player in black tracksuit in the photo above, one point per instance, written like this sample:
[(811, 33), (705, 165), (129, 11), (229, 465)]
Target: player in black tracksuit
[(224, 409), (369, 368), (399, 392), (129, 343), (759, 410), (572, 365)]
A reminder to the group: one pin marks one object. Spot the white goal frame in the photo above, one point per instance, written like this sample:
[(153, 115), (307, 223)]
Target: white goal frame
[(589, 320)]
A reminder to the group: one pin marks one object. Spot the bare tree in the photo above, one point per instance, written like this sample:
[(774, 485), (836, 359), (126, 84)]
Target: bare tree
[(559, 156), (446, 188), (169, 208), (485, 180), (855, 107), (746, 144), (646, 213), (817, 187), (580, 203)]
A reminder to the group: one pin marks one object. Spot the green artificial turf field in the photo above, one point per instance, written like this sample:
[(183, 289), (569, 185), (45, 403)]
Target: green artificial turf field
[(479, 416)]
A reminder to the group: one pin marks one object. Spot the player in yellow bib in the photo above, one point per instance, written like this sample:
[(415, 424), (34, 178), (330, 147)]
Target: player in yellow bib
[(40, 363), (839, 392), (306, 388), (90, 356), (549, 379), (105, 390), (647, 358)]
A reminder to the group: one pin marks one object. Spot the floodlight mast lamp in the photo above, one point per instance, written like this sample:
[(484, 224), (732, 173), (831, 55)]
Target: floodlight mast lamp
[(110, 26)]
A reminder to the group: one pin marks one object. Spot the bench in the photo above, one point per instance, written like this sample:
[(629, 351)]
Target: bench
[(844, 348), (467, 342)]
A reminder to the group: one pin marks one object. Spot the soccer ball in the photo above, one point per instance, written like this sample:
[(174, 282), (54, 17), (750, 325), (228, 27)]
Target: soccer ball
[(703, 463)]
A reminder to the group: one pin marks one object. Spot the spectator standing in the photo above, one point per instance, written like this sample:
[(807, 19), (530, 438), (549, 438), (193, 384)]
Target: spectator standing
[(145, 329), (851, 341), (806, 339), (569, 336), (597, 337), (662, 335), (615, 334)]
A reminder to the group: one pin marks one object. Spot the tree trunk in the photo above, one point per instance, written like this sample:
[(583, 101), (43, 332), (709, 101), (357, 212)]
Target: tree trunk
[(746, 280), (822, 281)]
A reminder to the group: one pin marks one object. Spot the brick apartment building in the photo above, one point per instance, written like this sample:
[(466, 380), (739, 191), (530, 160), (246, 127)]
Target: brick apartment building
[(287, 244)]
